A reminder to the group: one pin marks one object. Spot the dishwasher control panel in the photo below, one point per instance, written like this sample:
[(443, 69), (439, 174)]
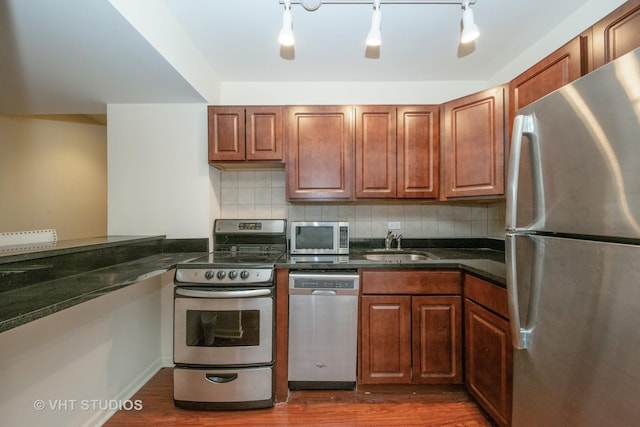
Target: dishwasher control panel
[(309, 281)]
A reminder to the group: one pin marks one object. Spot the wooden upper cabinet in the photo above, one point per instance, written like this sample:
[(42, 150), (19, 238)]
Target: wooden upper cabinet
[(264, 133), (473, 145), (418, 151), (237, 134), (375, 152), (556, 70), (319, 143), (616, 34), (226, 133)]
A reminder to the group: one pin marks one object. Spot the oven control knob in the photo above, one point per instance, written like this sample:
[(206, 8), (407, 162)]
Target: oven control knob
[(244, 274), (221, 274), (233, 274), (209, 274)]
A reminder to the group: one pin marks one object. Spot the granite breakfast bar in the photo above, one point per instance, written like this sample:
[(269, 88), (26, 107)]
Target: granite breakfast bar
[(37, 283)]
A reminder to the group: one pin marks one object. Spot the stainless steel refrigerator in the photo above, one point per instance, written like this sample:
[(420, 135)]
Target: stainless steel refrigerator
[(573, 252)]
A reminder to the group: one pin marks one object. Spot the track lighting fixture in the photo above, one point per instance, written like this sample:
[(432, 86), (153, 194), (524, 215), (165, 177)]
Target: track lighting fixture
[(374, 38), (470, 30), (286, 32)]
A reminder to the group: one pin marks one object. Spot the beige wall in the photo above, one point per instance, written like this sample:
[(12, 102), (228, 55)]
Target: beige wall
[(53, 174)]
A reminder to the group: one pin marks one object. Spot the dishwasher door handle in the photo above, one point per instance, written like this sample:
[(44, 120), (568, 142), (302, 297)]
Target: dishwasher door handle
[(324, 292)]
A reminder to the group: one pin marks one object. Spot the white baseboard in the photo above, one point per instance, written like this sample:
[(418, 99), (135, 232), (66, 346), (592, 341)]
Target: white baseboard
[(167, 361), (101, 417)]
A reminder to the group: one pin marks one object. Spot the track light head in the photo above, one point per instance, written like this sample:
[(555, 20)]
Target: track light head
[(469, 33), (374, 38), (470, 30), (286, 32)]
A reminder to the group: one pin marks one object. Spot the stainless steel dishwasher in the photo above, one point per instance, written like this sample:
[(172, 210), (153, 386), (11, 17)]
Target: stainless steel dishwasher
[(323, 328)]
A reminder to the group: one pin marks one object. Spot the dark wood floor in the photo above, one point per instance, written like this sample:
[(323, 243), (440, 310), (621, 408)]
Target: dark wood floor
[(310, 408)]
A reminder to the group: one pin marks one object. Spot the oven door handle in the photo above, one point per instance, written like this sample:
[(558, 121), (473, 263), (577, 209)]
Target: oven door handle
[(221, 378), (247, 293)]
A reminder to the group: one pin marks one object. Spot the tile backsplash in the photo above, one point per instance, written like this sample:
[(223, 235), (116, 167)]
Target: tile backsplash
[(261, 194)]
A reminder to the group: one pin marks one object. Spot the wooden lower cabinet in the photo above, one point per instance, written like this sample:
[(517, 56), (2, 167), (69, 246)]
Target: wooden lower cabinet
[(436, 339), (385, 352), (488, 350), (408, 338)]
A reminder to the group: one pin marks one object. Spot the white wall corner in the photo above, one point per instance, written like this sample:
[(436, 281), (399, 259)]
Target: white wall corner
[(160, 28)]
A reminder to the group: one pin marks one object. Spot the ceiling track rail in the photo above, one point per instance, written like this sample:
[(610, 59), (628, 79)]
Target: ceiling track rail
[(314, 4)]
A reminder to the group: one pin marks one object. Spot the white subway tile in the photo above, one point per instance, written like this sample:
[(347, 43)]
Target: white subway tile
[(363, 213), (246, 196), (263, 179), (229, 196), (229, 179), (313, 213)]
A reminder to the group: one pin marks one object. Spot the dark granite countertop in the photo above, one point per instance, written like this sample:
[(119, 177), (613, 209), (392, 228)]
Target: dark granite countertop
[(40, 282), (481, 257), (10, 254), (37, 282)]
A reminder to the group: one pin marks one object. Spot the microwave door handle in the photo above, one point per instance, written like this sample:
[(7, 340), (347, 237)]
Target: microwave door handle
[(247, 293)]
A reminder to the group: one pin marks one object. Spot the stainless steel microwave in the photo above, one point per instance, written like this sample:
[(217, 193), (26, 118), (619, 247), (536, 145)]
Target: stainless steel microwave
[(319, 237)]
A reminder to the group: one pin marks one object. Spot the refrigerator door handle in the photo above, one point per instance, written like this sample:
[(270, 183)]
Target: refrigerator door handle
[(514, 171), (523, 125), (521, 329), (518, 339)]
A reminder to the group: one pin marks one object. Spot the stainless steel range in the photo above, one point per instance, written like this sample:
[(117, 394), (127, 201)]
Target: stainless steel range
[(224, 318)]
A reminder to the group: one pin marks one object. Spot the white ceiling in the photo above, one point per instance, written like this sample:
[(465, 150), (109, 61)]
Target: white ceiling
[(76, 56)]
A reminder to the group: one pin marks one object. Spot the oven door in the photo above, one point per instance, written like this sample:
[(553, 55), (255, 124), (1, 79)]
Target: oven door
[(223, 327)]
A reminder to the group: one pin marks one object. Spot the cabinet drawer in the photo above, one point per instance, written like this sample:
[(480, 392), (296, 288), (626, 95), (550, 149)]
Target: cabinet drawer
[(487, 294), (414, 282)]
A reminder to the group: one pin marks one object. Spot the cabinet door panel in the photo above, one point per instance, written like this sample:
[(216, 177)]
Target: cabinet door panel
[(437, 340), (418, 151), (385, 352), (487, 294), (474, 145), (556, 70), (410, 282), (618, 33), (489, 361), (264, 130), (320, 152), (375, 152), (226, 133)]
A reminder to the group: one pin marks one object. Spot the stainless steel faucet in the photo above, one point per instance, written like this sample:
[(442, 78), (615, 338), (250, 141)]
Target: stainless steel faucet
[(389, 239)]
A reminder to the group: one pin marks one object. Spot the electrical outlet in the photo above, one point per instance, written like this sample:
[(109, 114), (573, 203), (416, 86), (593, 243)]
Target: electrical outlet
[(393, 225)]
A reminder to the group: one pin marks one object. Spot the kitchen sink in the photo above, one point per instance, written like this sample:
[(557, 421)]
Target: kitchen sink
[(398, 256)]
